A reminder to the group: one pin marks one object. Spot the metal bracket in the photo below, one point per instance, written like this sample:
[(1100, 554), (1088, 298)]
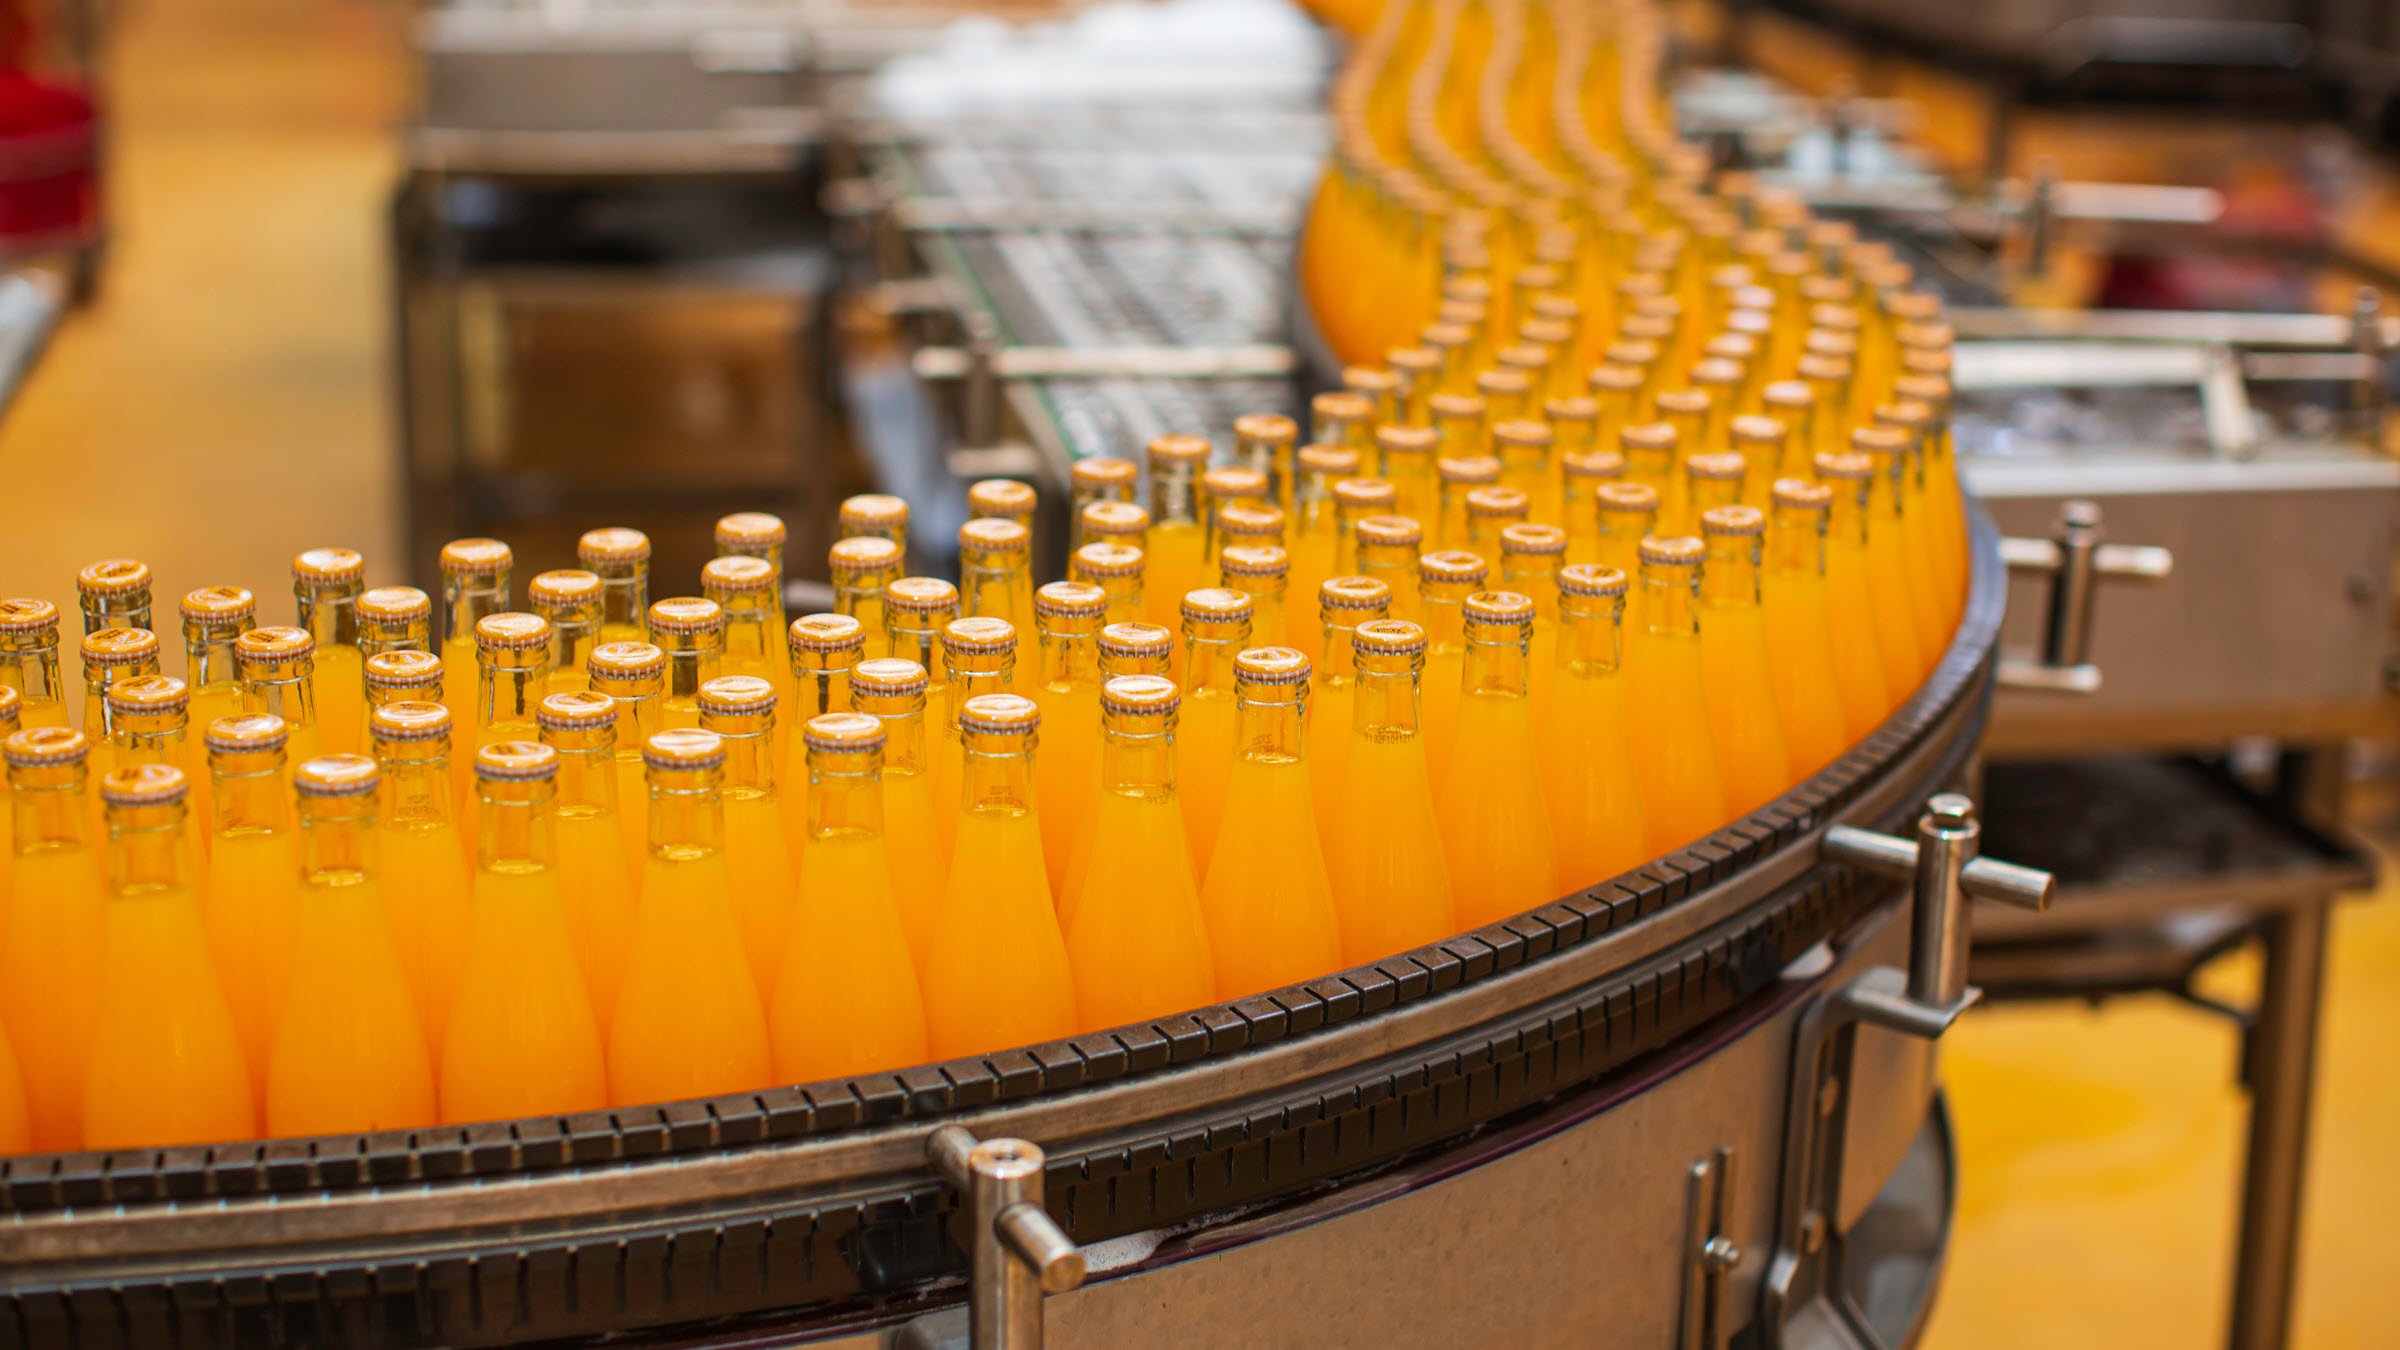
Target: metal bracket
[(1019, 1254), (2075, 560), (1709, 1254)]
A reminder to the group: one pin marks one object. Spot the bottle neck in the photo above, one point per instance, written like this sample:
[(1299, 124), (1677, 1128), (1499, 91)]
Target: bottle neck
[(1070, 656), (208, 658), (507, 695), (860, 596), (1496, 659), (1384, 707), (1591, 635), (687, 817), (1534, 576), (624, 596), (145, 850), (989, 583), (1172, 500), (293, 699), (980, 674), (1267, 728), (34, 673), (750, 634), (1445, 610), (921, 645), (1208, 660), (903, 733), (571, 641), (375, 642), (330, 619), (1137, 755), (47, 808), (516, 825), (466, 603), (154, 739), (416, 781), (1669, 601), (587, 775), (250, 793), (337, 840), (1729, 578), (845, 796), (749, 753), (997, 774), (1796, 544), (690, 667)]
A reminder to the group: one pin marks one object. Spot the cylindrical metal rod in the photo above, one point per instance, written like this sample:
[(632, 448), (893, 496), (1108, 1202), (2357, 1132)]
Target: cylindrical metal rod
[(1004, 1299), (1937, 958), (2067, 633), (2282, 1062)]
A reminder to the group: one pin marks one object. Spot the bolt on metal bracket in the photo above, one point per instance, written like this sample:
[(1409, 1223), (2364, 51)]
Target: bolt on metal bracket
[(1709, 1256), (2075, 560), (1018, 1254)]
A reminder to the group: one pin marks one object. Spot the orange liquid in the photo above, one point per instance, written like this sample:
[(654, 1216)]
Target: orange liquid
[(1391, 886), (426, 887), (760, 863), (166, 1063), (1330, 707), (1312, 564), (350, 1055), (1588, 776), (1175, 566), (251, 918), (1445, 673), (846, 1001), (1066, 770), (527, 1044), (1203, 760), (633, 805), (1904, 661), (1925, 584), (1495, 825), (600, 897), (50, 971), (1682, 796), (1752, 763), (458, 695), (689, 1023), (1137, 944), (1268, 901), (918, 872), (339, 681), (996, 975), (16, 1128), (1860, 660), (1808, 699)]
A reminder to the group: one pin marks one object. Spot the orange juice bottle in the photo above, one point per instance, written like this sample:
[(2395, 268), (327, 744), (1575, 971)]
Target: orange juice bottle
[(1762, 444), (595, 880), (1460, 475), (51, 954), (425, 857), (1897, 515), (1135, 939), (276, 666), (1409, 454), (1177, 544), (393, 619), (756, 534), (1808, 694), (862, 570), (1588, 766), (995, 570), (1944, 508), (620, 557), (846, 1001), (1792, 405), (10, 702), (916, 610), (1584, 474), (1869, 659), (1117, 570), (110, 655), (253, 875), (1525, 448), (1752, 756), (1266, 442), (979, 656), (1391, 886), (525, 1042), (512, 673), (16, 1127), (1095, 479), (1355, 499), (150, 714), (114, 593), (1268, 898), (1683, 791), (567, 599), (1261, 572), (1495, 825), (1135, 649), (1879, 560), (1002, 499), (1510, 392), (761, 862), (1343, 603), (1653, 459), (214, 617), (1490, 510), (349, 1053), (1530, 556), (1216, 626), (691, 631), (1416, 372), (326, 583), (689, 1022), (166, 1064), (1829, 378), (1716, 478), (1111, 522), (876, 515), (1625, 514), (474, 584), (1617, 389), (1458, 427), (821, 651), (1245, 524), (996, 975), (1388, 548), (1316, 529), (634, 675), (892, 691), (1067, 617), (1444, 581)]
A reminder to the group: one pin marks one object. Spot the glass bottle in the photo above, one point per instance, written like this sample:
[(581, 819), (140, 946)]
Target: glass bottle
[(1903, 485), (1626, 514), (1530, 557), (394, 677), (114, 593), (1355, 499), (1114, 523), (892, 690), (1525, 449), (1583, 474), (760, 856), (824, 647), (1229, 487), (995, 570), (1752, 756), (756, 534), (1408, 454), (1135, 649), (567, 599), (53, 950), (1490, 510), (1807, 675), (110, 655), (1002, 499), (1418, 371), (393, 619), (876, 515), (1177, 543), (1653, 459), (1828, 378), (1387, 551), (863, 570), (1315, 525), (213, 618), (1380, 388), (916, 610), (326, 583), (248, 908), (691, 631), (1683, 792), (1853, 596), (596, 880), (1764, 444), (1444, 581), (150, 716), (979, 656), (1340, 417), (1496, 833), (512, 673), (1068, 616), (621, 559), (1343, 603), (1262, 573), (1266, 442), (1268, 898), (29, 660), (474, 586), (274, 666), (1097, 478), (427, 856), (1216, 626), (745, 588), (1901, 618), (1715, 479), (1588, 769), (634, 674), (1246, 525), (1391, 886), (1460, 477), (1117, 570)]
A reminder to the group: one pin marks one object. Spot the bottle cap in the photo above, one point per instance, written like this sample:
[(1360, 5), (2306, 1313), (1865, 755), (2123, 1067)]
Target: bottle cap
[(843, 733), (1499, 607), (388, 607), (1831, 342), (1388, 637), (684, 748), (143, 785), (1391, 531), (510, 632), (981, 633), (1135, 641), (1594, 464), (1451, 567), (1254, 560), (1113, 519), (873, 511), (1907, 414), (1412, 362), (567, 591), (736, 696), (1733, 522), (1331, 461), (1103, 560), (218, 606), (1179, 448), (746, 530), (1364, 494), (1931, 390), (329, 567), (1627, 497), (1354, 593), (1820, 366), (1523, 539), (1573, 408), (43, 747), (1682, 402), (28, 615), (1468, 469), (1216, 604), (120, 647), (1650, 435), (1233, 482), (863, 553), (1402, 440), (1799, 492), (680, 614), (1100, 473), (993, 534), (1752, 429), (1245, 521), (612, 544), (146, 694), (1271, 665), (1337, 405), (1524, 434), (828, 633), (1844, 466), (245, 734), (1275, 428), (516, 762), (268, 647), (1371, 381), (112, 577), (1504, 382), (575, 710), (625, 661), (1456, 407), (1590, 579), (1673, 551), (1616, 377), (1001, 497), (12, 705), (1880, 440), (403, 670), (741, 574), (1140, 696), (1070, 600), (475, 558), (337, 776), (1722, 466), (921, 595), (999, 714), (1494, 502), (410, 720), (887, 677)]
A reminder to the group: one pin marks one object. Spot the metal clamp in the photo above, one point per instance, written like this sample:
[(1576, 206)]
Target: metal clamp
[(1709, 1254), (2075, 560), (1019, 1254)]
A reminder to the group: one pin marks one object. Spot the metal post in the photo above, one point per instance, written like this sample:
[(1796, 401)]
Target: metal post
[(2281, 1061), (1937, 959), (2067, 629), (1018, 1255)]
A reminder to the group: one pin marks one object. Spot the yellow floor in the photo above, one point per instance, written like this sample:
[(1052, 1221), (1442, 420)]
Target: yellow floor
[(225, 405)]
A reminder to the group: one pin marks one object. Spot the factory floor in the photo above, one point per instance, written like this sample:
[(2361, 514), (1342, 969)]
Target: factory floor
[(227, 403)]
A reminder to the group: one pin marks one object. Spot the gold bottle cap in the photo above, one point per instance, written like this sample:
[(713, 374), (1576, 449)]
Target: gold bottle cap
[(1354, 593), (392, 606), (1846, 466), (45, 747), (1271, 665), (1329, 461), (1532, 540), (1673, 551), (1884, 440), (1371, 381), (1717, 372), (516, 762), (1590, 579), (683, 748), (1400, 440), (403, 670), (1277, 429), (1824, 366), (999, 715), (1070, 600), (1834, 315), (1498, 503), (410, 720), (1364, 494), (1106, 519), (112, 577), (247, 734), (863, 553), (1392, 531), (1681, 402), (888, 677), (980, 633), (273, 647), (137, 696), (1217, 604), (475, 558), (1388, 637), (1656, 435), (1102, 560), (736, 696), (873, 511), (612, 544), (828, 633), (576, 710), (1799, 492), (1499, 608), (1005, 497), (567, 591), (120, 647), (1789, 394), (1525, 434), (1932, 390), (749, 530), (1907, 414), (1627, 497), (1452, 567), (1456, 407), (1469, 469), (1724, 465), (1927, 361), (626, 661), (1233, 482), (1515, 371), (1179, 448), (921, 595), (1594, 464), (1444, 336), (338, 776), (1733, 522), (28, 615), (741, 574), (1544, 336), (1616, 378), (843, 733), (510, 632), (1242, 520), (219, 606), (1831, 342), (677, 614), (1255, 560), (1101, 473), (1752, 429), (1913, 306), (1340, 405), (994, 534), (1413, 362), (1135, 641), (144, 785), (329, 566), (1142, 695), (1652, 323)]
